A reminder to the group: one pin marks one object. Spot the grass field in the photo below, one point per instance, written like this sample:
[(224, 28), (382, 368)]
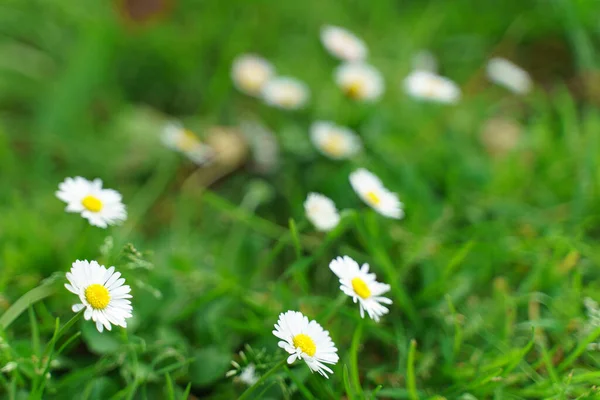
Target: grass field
[(488, 270)]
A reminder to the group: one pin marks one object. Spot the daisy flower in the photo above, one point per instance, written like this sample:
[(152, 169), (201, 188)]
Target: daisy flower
[(343, 44), (321, 212), (306, 340), (102, 293), (370, 189), (284, 92), (361, 285), (334, 141), (505, 73), (101, 207), (429, 86), (250, 73), (249, 375), (177, 138), (359, 81)]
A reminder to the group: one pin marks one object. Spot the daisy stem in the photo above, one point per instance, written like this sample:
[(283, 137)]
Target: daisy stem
[(354, 357), (251, 389)]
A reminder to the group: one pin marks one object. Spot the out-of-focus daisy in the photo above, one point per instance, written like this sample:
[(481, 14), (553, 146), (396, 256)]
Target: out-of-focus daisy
[(370, 189), (361, 285), (250, 73), (430, 86), (334, 141), (248, 375), (424, 60), (505, 73), (101, 207), (176, 137), (343, 44), (306, 340), (360, 81), (321, 212), (102, 293), (285, 92)]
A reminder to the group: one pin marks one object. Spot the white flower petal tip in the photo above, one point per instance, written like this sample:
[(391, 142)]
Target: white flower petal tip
[(361, 286), (102, 294), (343, 44), (286, 93), (250, 73), (429, 86), (101, 207), (506, 74), (321, 212), (371, 190), (333, 141), (177, 138), (360, 81), (306, 340)]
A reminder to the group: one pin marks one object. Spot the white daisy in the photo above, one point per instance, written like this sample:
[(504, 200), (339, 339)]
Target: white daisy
[(176, 137), (250, 73), (370, 189), (248, 375), (306, 340), (359, 81), (361, 285), (101, 207), (321, 212), (343, 44), (284, 92), (102, 293), (334, 141), (505, 73), (430, 86)]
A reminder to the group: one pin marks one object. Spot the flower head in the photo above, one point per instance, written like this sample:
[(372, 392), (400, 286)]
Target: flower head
[(512, 77), (250, 73), (343, 44), (102, 293), (101, 207), (334, 141), (284, 92), (360, 81), (306, 340), (370, 189), (361, 285), (429, 86), (248, 375), (321, 212), (176, 137)]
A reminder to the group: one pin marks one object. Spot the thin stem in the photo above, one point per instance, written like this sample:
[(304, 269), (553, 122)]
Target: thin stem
[(263, 378)]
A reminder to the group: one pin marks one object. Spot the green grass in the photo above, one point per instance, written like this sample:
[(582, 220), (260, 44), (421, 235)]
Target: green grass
[(488, 269)]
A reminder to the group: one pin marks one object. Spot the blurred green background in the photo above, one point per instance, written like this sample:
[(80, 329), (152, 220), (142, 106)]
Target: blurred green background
[(488, 268)]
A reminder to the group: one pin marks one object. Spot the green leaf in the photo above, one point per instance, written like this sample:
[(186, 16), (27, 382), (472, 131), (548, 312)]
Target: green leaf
[(209, 365)]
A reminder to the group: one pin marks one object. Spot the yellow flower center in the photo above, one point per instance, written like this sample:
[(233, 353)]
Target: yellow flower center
[(305, 343), (433, 89), (334, 144), (355, 90), (98, 296), (187, 140), (92, 203), (373, 198), (361, 288)]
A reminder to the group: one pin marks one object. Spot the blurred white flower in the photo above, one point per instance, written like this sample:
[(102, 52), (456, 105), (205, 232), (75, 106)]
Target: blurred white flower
[(360, 81), (334, 141), (362, 286), (248, 375), (177, 138), (321, 212), (306, 340), (512, 77), (250, 73), (102, 293), (101, 207), (343, 44), (9, 367), (430, 86), (424, 60), (284, 92), (370, 189)]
